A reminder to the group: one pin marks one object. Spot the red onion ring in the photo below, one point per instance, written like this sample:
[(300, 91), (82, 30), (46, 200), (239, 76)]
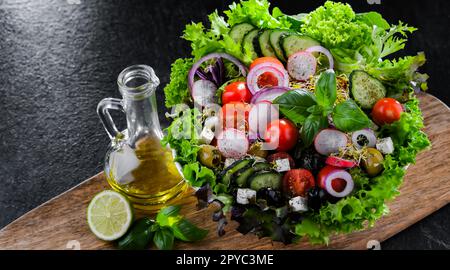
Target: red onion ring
[(210, 56), (339, 174), (258, 70), (324, 51), (268, 94)]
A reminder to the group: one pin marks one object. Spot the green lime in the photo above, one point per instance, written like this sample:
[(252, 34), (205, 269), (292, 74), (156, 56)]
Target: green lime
[(109, 215)]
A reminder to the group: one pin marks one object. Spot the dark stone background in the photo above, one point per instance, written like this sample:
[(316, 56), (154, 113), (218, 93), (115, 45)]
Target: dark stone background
[(58, 59)]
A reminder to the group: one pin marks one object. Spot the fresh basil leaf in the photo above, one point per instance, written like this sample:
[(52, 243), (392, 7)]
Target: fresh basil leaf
[(163, 239), (168, 215), (347, 116), (326, 89), (315, 109), (186, 231), (313, 124), (294, 104)]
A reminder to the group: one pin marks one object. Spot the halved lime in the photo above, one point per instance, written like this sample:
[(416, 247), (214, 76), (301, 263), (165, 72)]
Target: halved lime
[(109, 215)]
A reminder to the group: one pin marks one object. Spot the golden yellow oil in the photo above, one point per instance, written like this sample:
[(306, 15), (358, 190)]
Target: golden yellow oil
[(156, 180)]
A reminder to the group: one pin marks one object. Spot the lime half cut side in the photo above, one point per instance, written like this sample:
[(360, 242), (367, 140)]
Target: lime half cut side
[(109, 215)]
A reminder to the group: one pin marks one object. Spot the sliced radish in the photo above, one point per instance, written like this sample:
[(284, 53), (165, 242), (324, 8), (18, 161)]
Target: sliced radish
[(274, 69), (338, 183), (340, 162), (269, 94), (260, 116), (302, 65), (203, 92), (232, 143), (326, 52), (329, 141), (364, 137)]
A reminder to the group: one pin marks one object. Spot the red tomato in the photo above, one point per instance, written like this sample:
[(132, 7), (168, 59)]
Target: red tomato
[(283, 133), (266, 59), (297, 182), (236, 91), (235, 115), (386, 111), (267, 79), (281, 155)]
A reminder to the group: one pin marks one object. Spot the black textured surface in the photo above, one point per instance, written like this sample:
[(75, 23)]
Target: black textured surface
[(58, 59)]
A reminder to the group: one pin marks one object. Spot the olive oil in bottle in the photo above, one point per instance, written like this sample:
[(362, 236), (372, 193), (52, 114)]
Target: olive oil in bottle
[(136, 163)]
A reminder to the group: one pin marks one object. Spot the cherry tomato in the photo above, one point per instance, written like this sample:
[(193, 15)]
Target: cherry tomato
[(386, 111), (282, 133), (281, 155), (267, 79), (235, 115), (266, 59), (236, 91), (297, 182), (323, 173)]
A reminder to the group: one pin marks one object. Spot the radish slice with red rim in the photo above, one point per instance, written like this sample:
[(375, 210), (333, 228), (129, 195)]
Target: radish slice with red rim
[(364, 137), (339, 175), (276, 70), (268, 94), (259, 117), (232, 143), (326, 52), (203, 92), (329, 141), (302, 65), (340, 162)]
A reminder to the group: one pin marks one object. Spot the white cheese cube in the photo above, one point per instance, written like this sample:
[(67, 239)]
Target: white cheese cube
[(228, 162), (206, 136), (282, 165), (245, 195), (298, 204), (385, 145)]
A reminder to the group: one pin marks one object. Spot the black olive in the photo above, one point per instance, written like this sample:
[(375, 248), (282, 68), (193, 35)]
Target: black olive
[(316, 197), (311, 160), (272, 197)]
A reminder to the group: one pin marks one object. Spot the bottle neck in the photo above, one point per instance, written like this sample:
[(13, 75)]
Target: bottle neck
[(138, 84)]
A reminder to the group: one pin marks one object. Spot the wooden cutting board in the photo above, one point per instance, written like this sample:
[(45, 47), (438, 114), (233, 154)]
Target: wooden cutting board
[(61, 222)]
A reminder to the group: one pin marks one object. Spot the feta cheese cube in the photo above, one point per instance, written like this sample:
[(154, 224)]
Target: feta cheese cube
[(385, 145), (228, 162), (245, 195), (282, 165), (206, 136), (298, 204)]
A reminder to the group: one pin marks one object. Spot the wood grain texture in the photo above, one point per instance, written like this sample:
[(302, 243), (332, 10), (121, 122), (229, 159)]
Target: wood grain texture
[(63, 219)]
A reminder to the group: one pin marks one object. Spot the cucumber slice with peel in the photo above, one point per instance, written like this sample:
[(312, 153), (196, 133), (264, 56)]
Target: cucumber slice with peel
[(365, 89)]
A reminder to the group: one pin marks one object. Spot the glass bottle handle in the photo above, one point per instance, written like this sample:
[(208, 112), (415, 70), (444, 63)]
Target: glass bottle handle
[(103, 108)]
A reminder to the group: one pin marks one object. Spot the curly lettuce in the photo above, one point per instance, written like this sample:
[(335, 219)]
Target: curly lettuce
[(182, 135)]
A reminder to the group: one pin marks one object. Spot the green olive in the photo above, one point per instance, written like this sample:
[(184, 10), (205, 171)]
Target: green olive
[(209, 156), (373, 163), (255, 150)]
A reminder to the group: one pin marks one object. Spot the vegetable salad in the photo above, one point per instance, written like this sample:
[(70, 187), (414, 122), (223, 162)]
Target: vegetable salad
[(299, 125)]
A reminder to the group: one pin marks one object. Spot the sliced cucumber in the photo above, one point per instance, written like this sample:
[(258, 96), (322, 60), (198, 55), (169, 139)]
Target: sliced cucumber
[(365, 89), (230, 170), (249, 42), (264, 44), (244, 174), (238, 31), (265, 180), (274, 39), (293, 43)]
